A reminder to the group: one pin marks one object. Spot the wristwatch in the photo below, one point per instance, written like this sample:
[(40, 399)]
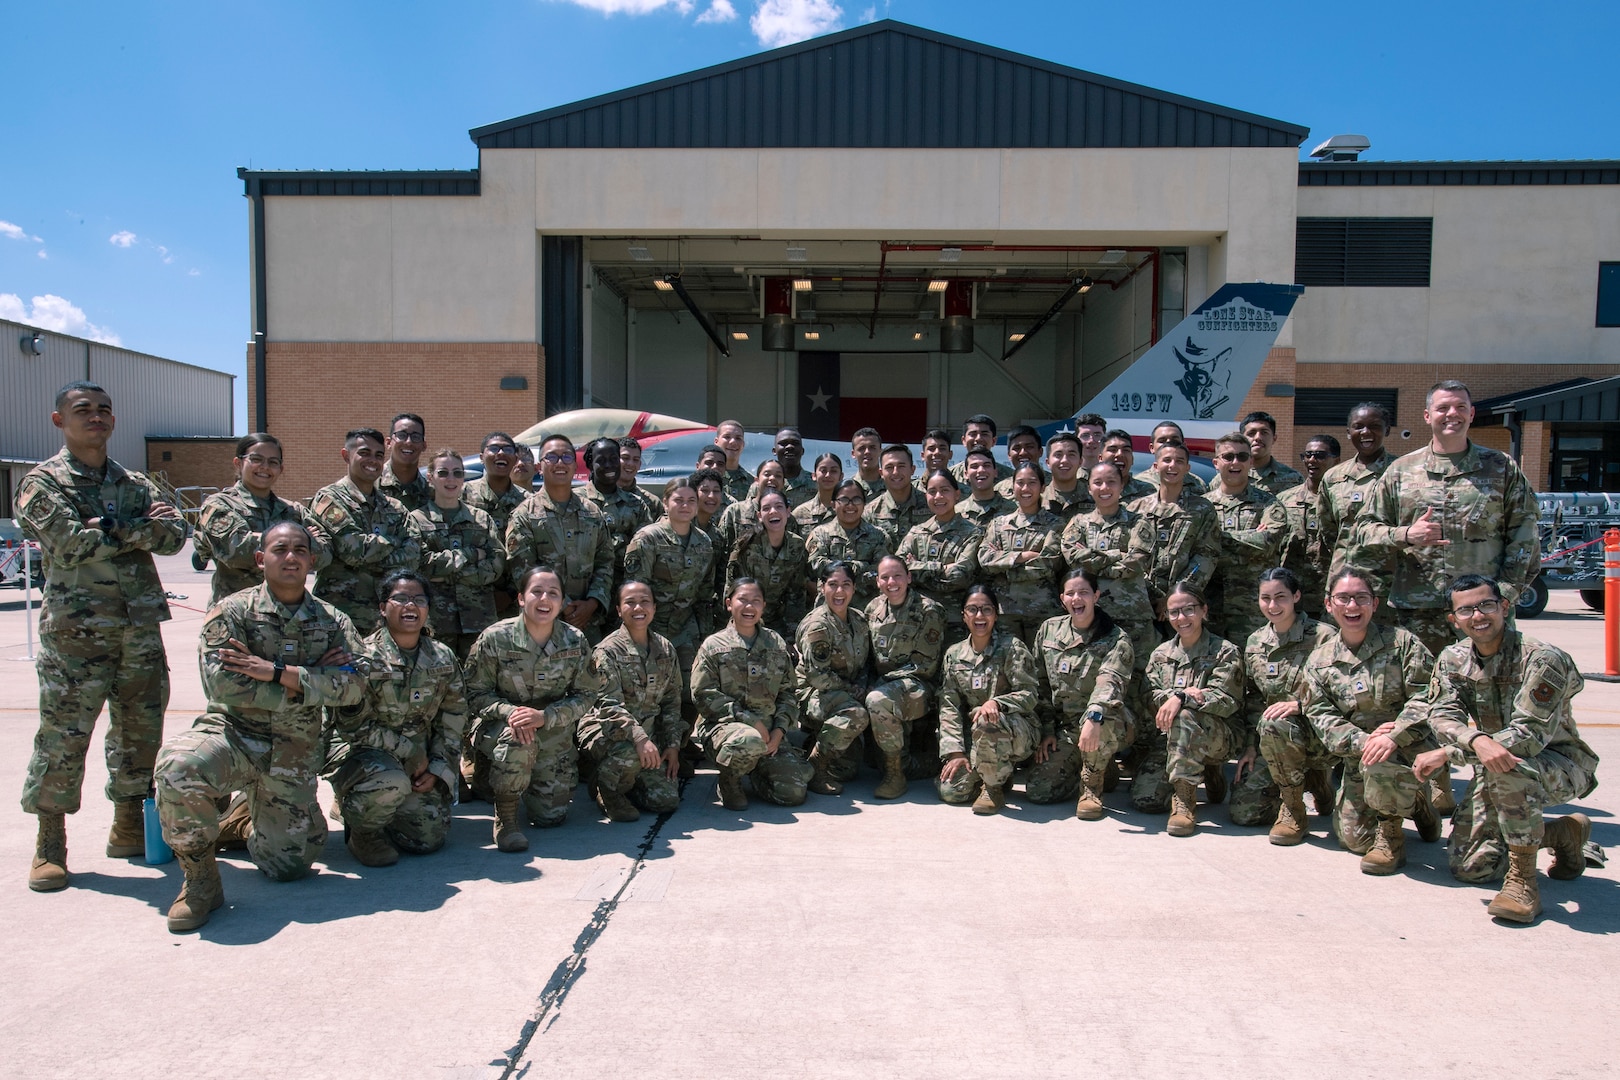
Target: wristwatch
[(279, 670)]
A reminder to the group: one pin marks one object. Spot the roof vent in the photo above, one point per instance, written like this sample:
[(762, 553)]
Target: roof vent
[(1342, 148)]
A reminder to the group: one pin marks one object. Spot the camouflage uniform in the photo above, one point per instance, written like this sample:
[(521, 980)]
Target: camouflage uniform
[(625, 514), (1205, 733), (1485, 507), (783, 576), (861, 548), (1136, 487), (1084, 673), (907, 642), (1027, 593), (257, 738), (1288, 745), (653, 504), (640, 699), (808, 516), (1119, 551), (1184, 540), (572, 538), (895, 520), (413, 716), (1522, 698), (480, 496), (371, 535), (738, 482), (873, 487), (413, 495), (736, 685), (1275, 477), (832, 678), (1304, 551), (981, 514), (1007, 672), (739, 520), (1349, 693), (98, 627), (1342, 495), (944, 561), (1067, 504), (1192, 484), (1253, 527), (508, 668), (228, 531), (680, 573), (798, 489), (958, 469), (463, 557)]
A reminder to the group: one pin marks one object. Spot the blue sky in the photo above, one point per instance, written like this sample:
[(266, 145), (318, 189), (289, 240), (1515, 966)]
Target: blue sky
[(121, 216)]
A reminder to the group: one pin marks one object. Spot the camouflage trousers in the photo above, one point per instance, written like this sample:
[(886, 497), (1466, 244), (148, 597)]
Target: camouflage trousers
[(545, 771), (1196, 740), (1058, 777), (1150, 786), (908, 703), (1291, 747), (374, 793), (1429, 624), (609, 749), (79, 671), (840, 717), (997, 748), (1386, 790), (781, 778), (212, 759), (1255, 799), (1503, 809), (1234, 618)]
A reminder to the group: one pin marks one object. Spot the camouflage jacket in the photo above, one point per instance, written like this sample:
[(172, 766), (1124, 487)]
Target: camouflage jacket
[(297, 636), (1005, 671), (894, 520), (982, 514), (1213, 663), (1192, 484), (414, 708), (1276, 666), (861, 549), (1253, 526), (641, 688), (944, 561), (1119, 551), (833, 653), (1350, 692), (1028, 589), (1135, 488), (228, 532), (478, 495), (874, 487), (681, 574), (1522, 697), (413, 495), (1344, 493), (653, 503), (624, 512), (738, 482), (1482, 502), (571, 538), (907, 640), (738, 682), (464, 559), (96, 580), (1067, 504), (783, 574), (1184, 539), (508, 668), (371, 535), (798, 489), (1082, 672), (1276, 477), (806, 516), (1304, 551)]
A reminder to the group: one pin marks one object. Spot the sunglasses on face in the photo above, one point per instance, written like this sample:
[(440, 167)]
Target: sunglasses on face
[(449, 472)]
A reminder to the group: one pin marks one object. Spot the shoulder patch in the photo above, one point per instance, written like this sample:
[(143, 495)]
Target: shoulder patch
[(1542, 693), (215, 633)]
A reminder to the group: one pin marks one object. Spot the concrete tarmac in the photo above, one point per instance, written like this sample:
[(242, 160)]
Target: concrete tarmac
[(843, 938)]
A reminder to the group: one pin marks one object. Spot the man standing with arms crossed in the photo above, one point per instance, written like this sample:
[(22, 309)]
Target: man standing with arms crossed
[(98, 526)]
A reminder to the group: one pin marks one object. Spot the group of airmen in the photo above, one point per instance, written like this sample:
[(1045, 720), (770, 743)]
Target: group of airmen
[(1063, 619)]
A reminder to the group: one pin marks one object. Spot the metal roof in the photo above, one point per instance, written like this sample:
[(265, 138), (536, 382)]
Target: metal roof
[(892, 85), (1456, 173), (365, 182), (1592, 400)]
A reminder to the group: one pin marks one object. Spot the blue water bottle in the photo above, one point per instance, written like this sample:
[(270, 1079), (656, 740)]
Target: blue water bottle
[(157, 850)]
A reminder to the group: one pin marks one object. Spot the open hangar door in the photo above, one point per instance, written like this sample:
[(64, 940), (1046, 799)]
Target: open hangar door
[(829, 335)]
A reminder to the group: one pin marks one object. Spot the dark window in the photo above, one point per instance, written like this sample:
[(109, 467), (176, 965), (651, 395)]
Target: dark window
[(1326, 410), (1609, 294), (1390, 252)]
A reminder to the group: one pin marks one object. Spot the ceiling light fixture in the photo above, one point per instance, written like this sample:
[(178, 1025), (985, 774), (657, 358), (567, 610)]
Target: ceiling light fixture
[(1015, 337), (917, 336), (802, 285), (937, 285), (739, 335), (662, 286), (640, 253), (812, 335)]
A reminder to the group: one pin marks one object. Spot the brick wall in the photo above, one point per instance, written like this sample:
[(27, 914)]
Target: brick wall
[(317, 390), (193, 462), (1278, 368)]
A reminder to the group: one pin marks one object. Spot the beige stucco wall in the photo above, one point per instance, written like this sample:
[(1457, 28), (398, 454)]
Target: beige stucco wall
[(1513, 281)]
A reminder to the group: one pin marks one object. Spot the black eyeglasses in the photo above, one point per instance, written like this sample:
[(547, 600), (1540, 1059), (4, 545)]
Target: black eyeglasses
[(1484, 607), (409, 436), (449, 472), (500, 448), (556, 459), (415, 600)]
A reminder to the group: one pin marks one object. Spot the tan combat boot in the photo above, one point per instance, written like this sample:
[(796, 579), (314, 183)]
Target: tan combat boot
[(823, 782), (49, 871), (370, 847), (1320, 786), (614, 804), (1183, 809), (1440, 795), (236, 826), (201, 894), (1425, 819), (1215, 784), (509, 823), (1090, 807), (1566, 838), (127, 840), (1388, 853), (991, 800), (893, 784), (1290, 827), (732, 796), (1520, 898)]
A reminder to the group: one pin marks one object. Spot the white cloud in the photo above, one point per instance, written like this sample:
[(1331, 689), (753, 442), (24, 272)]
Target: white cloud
[(122, 238), (17, 232), (782, 22), (56, 313), (634, 7), (194, 272), (718, 12), (869, 15), (41, 253)]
